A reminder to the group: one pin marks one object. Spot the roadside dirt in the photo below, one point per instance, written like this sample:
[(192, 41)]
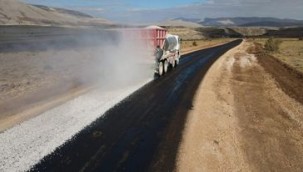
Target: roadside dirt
[(288, 77), (32, 82), (242, 119)]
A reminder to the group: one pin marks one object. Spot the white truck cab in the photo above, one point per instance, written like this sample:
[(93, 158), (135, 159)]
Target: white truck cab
[(167, 57)]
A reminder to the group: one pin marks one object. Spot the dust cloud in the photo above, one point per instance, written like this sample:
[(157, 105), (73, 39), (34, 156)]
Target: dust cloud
[(127, 61), (33, 82), (115, 58), (39, 64)]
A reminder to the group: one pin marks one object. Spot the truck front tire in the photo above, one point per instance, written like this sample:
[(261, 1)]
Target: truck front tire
[(161, 69)]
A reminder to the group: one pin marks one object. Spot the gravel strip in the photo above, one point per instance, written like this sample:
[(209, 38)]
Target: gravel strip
[(26, 144)]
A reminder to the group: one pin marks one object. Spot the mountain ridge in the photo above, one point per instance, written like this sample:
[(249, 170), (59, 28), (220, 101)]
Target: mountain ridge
[(242, 21), (251, 21), (15, 12)]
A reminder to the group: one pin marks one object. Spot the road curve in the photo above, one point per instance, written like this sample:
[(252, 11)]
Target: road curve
[(127, 137)]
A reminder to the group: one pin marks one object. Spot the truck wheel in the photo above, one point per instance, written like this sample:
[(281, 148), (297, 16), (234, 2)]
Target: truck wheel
[(173, 65), (165, 66), (161, 67), (177, 62)]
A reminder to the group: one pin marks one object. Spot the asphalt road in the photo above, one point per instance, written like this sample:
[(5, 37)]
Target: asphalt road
[(128, 137)]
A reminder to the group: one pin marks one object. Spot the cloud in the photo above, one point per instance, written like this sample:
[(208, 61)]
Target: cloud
[(220, 8), (123, 11)]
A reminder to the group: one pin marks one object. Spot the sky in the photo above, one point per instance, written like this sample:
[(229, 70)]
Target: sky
[(145, 11)]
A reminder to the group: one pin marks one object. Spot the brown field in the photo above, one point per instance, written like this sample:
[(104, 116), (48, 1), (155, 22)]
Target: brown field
[(31, 80), (290, 52), (186, 33), (199, 36), (188, 45)]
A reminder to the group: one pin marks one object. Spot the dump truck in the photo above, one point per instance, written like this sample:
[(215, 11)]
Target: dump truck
[(167, 49), (166, 46), (167, 56)]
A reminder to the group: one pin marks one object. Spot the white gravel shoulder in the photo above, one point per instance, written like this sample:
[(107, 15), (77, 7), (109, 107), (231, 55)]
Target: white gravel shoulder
[(26, 144)]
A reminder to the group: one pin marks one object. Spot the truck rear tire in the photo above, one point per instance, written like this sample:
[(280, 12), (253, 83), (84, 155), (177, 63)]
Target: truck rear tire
[(165, 66), (173, 65), (177, 62)]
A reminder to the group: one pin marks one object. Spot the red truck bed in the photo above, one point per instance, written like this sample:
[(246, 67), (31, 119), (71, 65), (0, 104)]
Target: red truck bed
[(152, 35)]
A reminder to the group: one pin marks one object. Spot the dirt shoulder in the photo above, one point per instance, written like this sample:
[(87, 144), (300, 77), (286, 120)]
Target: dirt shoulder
[(32, 82), (241, 119), (288, 76)]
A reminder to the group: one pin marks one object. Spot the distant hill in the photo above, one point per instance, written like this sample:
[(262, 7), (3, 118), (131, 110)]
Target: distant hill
[(180, 22), (194, 20), (286, 33), (249, 31), (233, 21), (251, 21), (237, 27), (14, 12), (214, 32), (64, 11)]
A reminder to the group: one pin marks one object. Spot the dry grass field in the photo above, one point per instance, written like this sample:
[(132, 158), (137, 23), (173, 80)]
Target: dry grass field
[(290, 51), (192, 45), (195, 39), (186, 33)]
